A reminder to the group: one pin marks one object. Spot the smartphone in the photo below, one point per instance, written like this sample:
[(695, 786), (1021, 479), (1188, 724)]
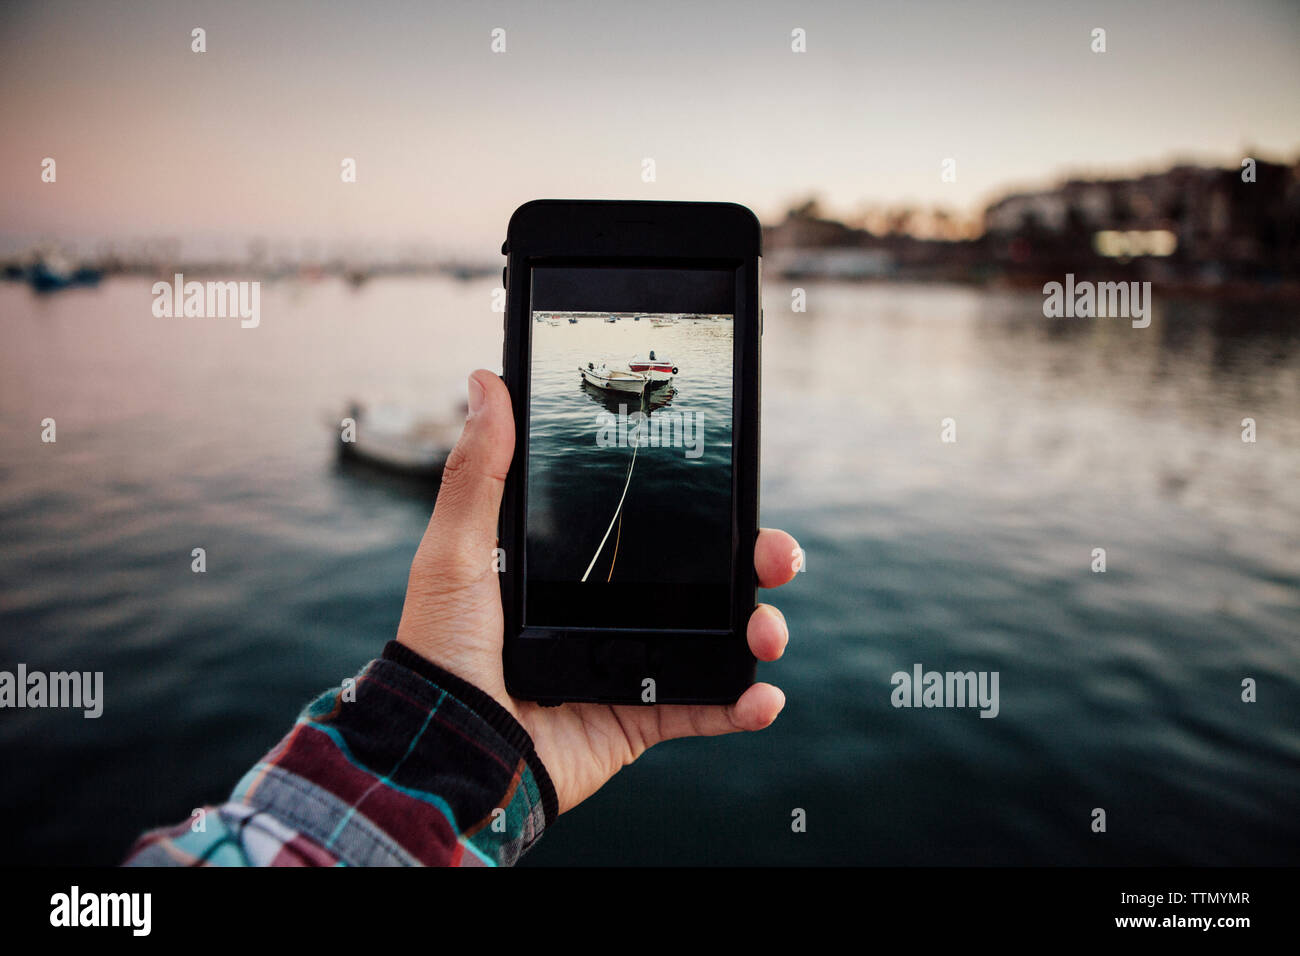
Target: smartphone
[(630, 512)]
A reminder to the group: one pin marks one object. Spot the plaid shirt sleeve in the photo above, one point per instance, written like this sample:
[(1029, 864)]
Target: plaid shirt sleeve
[(408, 766)]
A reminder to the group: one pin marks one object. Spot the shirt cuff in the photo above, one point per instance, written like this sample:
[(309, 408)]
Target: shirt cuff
[(405, 764), (496, 716)]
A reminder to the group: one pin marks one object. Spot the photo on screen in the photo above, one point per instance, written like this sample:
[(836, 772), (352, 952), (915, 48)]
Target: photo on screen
[(629, 467)]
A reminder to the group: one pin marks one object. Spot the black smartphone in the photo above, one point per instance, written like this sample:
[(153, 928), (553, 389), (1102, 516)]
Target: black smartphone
[(630, 512)]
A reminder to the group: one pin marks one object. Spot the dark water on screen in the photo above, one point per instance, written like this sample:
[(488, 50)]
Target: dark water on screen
[(1119, 690), (675, 519)]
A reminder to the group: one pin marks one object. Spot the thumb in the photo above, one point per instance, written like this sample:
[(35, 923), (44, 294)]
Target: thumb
[(463, 530)]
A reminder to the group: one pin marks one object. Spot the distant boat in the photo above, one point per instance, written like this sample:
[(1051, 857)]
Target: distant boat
[(46, 278), (573, 321), (611, 320), (396, 439), (51, 271), (554, 322)]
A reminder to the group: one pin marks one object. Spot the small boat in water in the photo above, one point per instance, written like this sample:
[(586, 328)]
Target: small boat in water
[(51, 271), (613, 380), (658, 370), (643, 373), (395, 439), (610, 319)]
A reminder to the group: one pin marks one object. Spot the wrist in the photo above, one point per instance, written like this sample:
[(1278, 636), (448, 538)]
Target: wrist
[(487, 708)]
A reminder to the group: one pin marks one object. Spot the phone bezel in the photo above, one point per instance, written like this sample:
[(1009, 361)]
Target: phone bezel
[(608, 665)]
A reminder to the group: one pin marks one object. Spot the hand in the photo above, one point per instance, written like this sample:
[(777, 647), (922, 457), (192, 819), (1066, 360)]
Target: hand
[(452, 617)]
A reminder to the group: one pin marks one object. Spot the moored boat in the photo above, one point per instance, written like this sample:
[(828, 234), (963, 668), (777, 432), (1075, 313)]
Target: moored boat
[(613, 380), (399, 440), (656, 369)]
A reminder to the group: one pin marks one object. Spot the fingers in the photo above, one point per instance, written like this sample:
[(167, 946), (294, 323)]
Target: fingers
[(755, 710), (757, 707), (463, 529), (777, 557), (768, 633)]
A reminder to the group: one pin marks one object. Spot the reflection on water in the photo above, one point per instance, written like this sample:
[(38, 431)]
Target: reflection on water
[(620, 402), (1119, 690)]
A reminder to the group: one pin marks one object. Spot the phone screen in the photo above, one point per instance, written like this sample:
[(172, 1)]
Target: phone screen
[(630, 467)]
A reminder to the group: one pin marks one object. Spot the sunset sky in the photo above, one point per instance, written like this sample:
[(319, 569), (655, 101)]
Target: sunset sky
[(247, 139)]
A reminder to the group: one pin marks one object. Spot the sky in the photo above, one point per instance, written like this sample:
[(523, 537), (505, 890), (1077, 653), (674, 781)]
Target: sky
[(247, 139)]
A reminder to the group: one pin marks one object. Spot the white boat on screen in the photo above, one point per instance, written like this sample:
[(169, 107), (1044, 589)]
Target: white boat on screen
[(613, 380)]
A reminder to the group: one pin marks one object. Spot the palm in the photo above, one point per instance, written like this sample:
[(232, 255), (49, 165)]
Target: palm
[(583, 745)]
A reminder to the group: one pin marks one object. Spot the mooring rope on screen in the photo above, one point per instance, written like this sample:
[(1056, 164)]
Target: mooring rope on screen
[(618, 512)]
